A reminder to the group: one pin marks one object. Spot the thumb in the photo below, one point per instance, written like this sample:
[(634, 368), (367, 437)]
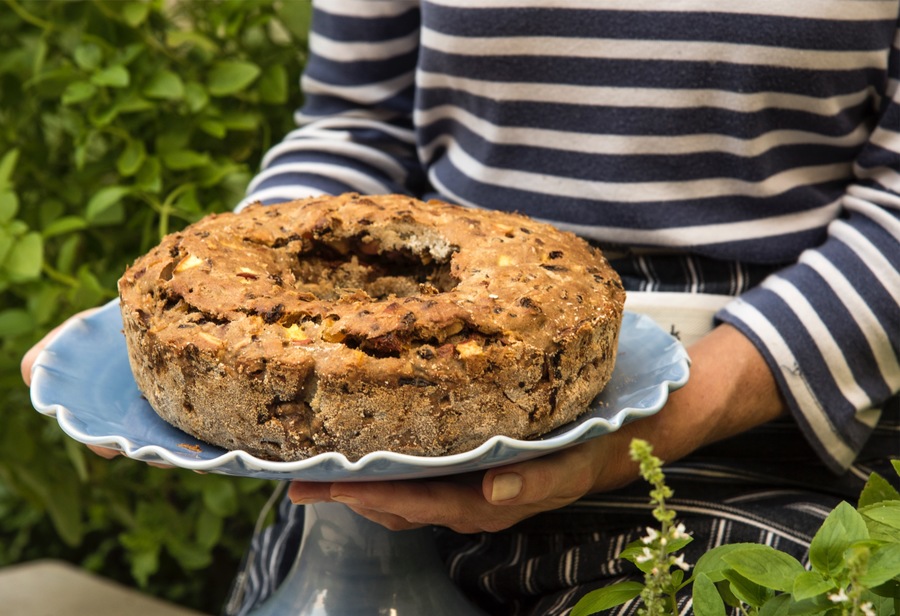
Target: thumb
[(560, 479), (506, 486)]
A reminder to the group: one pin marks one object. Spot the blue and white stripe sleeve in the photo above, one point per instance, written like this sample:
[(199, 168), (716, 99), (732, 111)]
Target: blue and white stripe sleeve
[(355, 127), (830, 324)]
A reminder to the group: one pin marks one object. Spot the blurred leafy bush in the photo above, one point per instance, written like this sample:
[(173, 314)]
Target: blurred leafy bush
[(121, 121)]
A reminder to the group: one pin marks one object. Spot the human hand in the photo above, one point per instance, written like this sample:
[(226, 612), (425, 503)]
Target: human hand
[(491, 502), (28, 364), (730, 390)]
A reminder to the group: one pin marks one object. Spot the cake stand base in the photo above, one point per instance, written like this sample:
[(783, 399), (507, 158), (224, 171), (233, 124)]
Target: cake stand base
[(349, 566)]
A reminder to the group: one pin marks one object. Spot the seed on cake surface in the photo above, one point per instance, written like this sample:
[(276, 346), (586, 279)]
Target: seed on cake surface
[(296, 334), (211, 339), (187, 263), (470, 348), (247, 273)]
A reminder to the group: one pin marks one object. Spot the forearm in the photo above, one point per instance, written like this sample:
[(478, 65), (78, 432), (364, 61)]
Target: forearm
[(730, 390)]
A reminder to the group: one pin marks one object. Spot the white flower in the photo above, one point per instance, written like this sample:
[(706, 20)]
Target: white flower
[(868, 609), (839, 597), (678, 561), (644, 556), (652, 534), (679, 532)]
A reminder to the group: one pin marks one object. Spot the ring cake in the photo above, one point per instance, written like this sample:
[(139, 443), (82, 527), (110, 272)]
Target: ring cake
[(356, 324)]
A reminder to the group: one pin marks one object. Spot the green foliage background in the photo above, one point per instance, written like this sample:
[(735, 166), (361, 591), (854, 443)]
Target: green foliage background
[(121, 121)]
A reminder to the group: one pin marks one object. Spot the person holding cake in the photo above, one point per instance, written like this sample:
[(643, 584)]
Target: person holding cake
[(740, 163)]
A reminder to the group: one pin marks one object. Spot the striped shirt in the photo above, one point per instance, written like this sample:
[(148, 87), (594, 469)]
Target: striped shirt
[(747, 147)]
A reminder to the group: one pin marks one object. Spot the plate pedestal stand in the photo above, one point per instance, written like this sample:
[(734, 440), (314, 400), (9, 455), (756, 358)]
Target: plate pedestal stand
[(349, 566)]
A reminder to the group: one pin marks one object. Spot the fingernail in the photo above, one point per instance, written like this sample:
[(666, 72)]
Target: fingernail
[(506, 486), (347, 500), (305, 501)]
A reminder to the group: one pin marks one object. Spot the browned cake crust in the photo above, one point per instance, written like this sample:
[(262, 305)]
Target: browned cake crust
[(358, 324)]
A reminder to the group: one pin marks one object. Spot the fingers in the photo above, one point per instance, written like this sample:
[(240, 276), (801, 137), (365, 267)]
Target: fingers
[(28, 363), (459, 506), (31, 355), (308, 492), (105, 452), (557, 479), (109, 454), (503, 497), (388, 520), (400, 505)]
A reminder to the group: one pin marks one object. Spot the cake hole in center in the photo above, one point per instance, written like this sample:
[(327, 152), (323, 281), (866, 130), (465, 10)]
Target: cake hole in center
[(335, 268)]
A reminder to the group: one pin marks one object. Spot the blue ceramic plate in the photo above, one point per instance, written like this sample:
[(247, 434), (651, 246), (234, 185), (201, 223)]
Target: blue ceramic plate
[(83, 379)]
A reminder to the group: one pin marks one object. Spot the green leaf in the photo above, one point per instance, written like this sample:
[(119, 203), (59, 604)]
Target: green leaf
[(132, 102), (631, 552), (131, 158), (103, 115), (606, 598), (819, 605), (144, 563), (135, 13), (88, 56), (713, 563), (886, 512), (149, 178), (296, 17), (104, 199), (746, 590), (765, 566), (214, 127), (49, 210), (884, 565), (726, 592), (843, 526), (64, 225), (779, 605), (78, 92), (190, 556), (706, 598), (113, 215), (25, 258), (231, 76), (6, 243), (75, 453), (273, 85), (115, 76), (164, 85), (810, 584), (876, 490), (241, 121), (196, 96), (15, 322), (64, 507), (173, 139), (9, 205), (43, 307), (890, 589), (65, 259), (209, 528), (220, 497), (177, 38), (7, 165), (882, 606), (182, 160)]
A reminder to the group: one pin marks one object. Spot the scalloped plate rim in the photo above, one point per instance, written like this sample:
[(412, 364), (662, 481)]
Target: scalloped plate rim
[(252, 466)]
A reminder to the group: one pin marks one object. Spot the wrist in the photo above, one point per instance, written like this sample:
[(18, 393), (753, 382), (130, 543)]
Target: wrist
[(730, 390)]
